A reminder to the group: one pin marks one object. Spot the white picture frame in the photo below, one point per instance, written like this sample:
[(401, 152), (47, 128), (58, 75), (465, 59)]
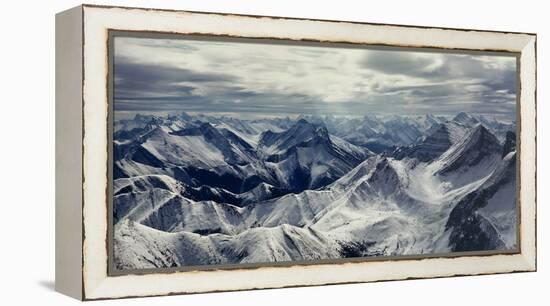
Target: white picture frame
[(82, 106)]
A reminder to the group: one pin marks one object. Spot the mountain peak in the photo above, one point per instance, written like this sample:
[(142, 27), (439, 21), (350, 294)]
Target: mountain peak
[(431, 147), (481, 138), (461, 115), (185, 116), (203, 128), (477, 145), (303, 125), (206, 126), (139, 117), (465, 118), (212, 134), (384, 178), (483, 134)]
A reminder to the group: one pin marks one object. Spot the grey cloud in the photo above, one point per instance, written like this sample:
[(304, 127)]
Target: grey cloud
[(230, 102), (440, 84), (459, 82), (454, 67), (505, 80), (133, 79), (395, 62)]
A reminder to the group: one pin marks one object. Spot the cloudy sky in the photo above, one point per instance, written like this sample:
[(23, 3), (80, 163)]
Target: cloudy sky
[(251, 79)]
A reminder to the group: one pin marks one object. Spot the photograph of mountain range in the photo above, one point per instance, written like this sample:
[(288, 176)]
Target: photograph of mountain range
[(239, 152)]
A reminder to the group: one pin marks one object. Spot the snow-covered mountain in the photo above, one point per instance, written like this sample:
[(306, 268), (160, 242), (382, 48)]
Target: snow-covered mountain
[(233, 157), (204, 190), (378, 133)]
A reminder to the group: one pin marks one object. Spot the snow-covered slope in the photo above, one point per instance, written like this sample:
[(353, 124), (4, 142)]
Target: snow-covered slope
[(139, 247), (486, 218)]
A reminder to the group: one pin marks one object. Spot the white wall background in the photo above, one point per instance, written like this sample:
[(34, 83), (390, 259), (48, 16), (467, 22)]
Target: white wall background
[(27, 153)]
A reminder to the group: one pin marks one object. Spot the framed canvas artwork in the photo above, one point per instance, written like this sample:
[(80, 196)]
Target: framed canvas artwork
[(200, 152)]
